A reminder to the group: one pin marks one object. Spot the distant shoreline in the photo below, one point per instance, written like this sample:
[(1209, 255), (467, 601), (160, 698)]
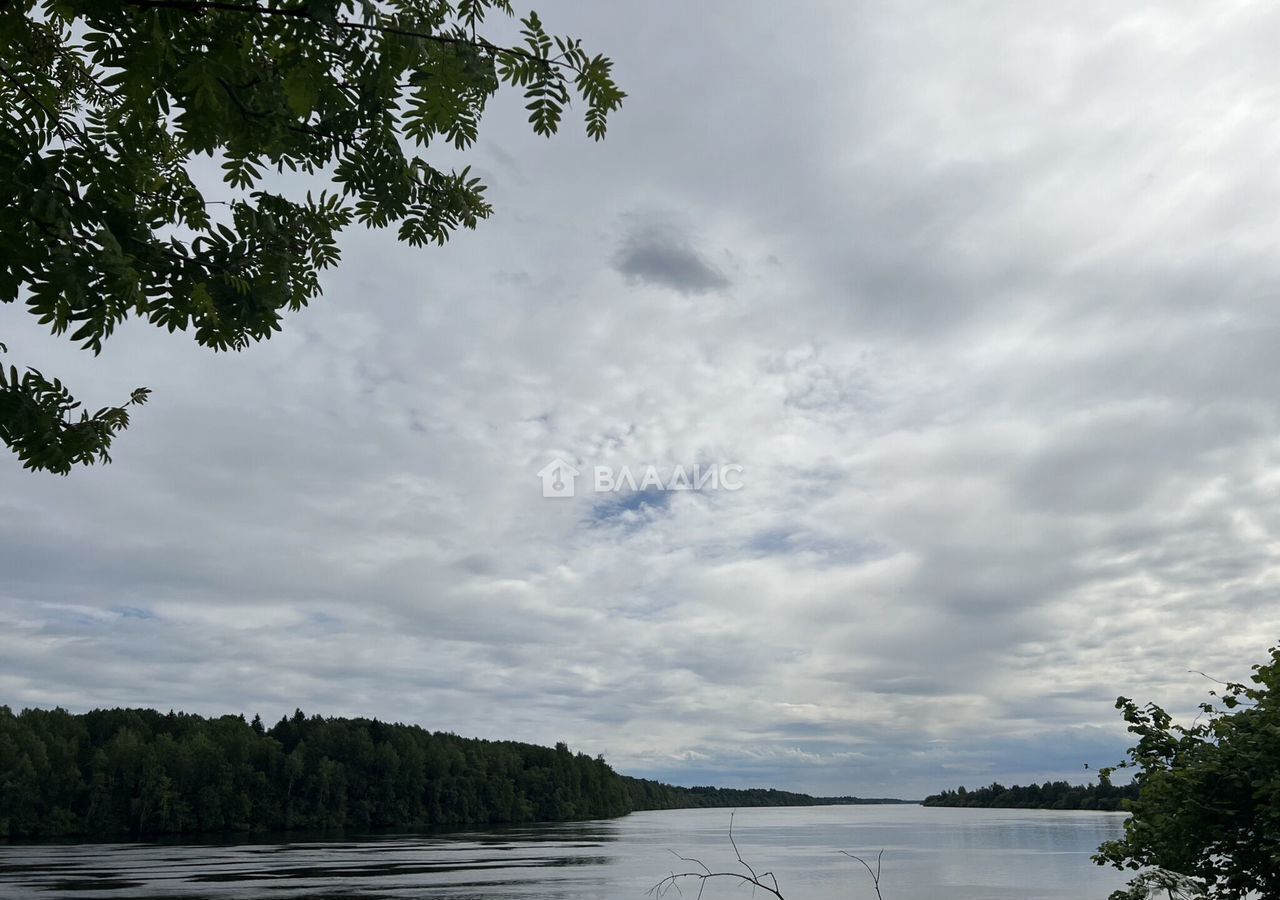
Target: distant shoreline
[(1050, 795), (140, 773)]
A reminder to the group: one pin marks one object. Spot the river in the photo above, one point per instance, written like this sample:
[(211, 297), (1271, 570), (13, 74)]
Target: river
[(929, 854)]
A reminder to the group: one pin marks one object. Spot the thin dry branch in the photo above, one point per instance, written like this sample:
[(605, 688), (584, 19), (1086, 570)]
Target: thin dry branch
[(875, 874), (673, 880), (765, 881)]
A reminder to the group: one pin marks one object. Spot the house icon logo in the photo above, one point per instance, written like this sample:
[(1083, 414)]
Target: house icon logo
[(557, 478)]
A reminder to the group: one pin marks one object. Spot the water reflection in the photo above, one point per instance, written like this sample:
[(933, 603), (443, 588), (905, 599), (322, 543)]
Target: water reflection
[(959, 854)]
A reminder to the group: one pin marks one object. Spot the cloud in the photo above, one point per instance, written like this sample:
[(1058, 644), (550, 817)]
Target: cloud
[(986, 320), (662, 256)]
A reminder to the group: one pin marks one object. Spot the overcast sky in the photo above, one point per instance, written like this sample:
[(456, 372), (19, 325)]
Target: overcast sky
[(980, 295)]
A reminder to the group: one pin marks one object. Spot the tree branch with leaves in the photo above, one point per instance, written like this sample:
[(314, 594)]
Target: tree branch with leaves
[(1206, 822), (106, 103)]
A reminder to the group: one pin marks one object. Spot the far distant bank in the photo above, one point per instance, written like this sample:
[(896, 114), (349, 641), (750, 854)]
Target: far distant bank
[(1103, 796), (655, 795)]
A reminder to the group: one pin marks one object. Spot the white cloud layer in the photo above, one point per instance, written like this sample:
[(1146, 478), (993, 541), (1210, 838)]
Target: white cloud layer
[(982, 296)]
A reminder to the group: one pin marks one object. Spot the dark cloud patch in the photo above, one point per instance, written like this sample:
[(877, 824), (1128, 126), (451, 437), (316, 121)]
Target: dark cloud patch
[(663, 256)]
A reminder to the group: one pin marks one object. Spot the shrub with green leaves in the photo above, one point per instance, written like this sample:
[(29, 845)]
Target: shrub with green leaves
[(1207, 819), (106, 102)]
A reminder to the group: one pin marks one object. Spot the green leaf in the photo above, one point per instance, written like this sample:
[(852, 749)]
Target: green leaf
[(301, 88)]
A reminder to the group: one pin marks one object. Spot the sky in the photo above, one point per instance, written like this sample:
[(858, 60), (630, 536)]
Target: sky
[(979, 296)]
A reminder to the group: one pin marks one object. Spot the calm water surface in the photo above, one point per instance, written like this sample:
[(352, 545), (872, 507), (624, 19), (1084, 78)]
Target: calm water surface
[(930, 854)]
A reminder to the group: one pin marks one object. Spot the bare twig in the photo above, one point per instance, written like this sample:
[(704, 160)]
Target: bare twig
[(1209, 677), (765, 881), (875, 874), (673, 880)]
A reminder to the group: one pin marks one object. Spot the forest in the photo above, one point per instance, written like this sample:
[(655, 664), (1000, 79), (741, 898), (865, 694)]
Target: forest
[(1051, 795), (141, 772)]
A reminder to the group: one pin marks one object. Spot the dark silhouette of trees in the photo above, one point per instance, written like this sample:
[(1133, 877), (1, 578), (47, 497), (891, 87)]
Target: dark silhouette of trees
[(656, 795), (1050, 795), (137, 771), (141, 772)]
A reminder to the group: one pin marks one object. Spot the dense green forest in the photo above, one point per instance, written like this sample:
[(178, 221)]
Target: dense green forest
[(1051, 795), (141, 772)]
